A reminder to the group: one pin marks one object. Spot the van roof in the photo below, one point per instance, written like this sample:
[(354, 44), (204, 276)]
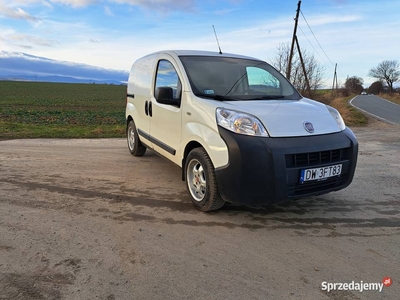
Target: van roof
[(201, 53)]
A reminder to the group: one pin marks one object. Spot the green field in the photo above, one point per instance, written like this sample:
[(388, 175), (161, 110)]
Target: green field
[(65, 110), (62, 110)]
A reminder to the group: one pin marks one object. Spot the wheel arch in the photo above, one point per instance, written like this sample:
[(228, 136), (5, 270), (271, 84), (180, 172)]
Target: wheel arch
[(189, 147), (128, 119)]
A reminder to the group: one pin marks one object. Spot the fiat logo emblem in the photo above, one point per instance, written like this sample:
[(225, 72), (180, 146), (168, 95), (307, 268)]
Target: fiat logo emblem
[(308, 126)]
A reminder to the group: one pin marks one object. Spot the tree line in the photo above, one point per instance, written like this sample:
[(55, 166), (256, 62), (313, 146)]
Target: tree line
[(386, 72)]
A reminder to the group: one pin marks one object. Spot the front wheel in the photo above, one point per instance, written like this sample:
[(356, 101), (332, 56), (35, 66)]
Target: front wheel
[(201, 181), (135, 146)]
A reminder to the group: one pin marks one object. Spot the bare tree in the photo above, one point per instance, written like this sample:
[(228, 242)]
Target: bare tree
[(281, 60), (354, 84), (375, 88), (387, 70), (315, 72)]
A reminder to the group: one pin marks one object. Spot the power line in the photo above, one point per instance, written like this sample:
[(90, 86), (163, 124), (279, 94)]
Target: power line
[(311, 45), (318, 43), (315, 50), (316, 38)]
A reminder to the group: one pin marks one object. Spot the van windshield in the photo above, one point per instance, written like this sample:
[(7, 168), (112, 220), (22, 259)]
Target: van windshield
[(229, 79)]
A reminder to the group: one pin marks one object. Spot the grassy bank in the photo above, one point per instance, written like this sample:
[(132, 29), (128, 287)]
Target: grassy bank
[(350, 115), (48, 110), (395, 98)]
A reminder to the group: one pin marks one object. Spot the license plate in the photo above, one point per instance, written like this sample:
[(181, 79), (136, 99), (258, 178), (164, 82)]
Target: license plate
[(320, 173)]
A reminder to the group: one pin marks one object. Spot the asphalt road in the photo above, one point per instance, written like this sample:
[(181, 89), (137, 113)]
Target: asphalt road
[(378, 107), (83, 219)]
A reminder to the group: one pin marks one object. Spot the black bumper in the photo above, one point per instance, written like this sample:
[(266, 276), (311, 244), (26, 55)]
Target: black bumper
[(267, 170)]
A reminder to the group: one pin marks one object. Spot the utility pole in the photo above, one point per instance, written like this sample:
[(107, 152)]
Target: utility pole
[(334, 78), (304, 68), (289, 68), (295, 40)]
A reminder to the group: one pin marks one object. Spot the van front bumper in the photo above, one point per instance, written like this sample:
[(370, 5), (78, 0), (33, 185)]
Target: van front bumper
[(265, 170)]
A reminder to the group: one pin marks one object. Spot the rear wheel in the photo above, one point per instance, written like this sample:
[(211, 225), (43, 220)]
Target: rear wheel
[(135, 146), (201, 181)]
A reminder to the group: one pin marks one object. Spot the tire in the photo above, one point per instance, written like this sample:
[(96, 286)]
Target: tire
[(135, 146), (201, 181)]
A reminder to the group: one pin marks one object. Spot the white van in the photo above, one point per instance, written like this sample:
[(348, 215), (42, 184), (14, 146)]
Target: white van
[(238, 129)]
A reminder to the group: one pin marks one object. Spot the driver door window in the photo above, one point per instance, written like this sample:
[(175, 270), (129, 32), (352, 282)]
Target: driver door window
[(168, 77)]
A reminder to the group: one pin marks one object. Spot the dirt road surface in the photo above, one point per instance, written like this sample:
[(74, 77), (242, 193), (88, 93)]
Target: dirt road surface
[(83, 219)]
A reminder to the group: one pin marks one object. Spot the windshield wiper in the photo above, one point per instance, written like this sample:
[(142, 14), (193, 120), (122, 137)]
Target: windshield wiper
[(240, 97), (269, 97), (218, 97)]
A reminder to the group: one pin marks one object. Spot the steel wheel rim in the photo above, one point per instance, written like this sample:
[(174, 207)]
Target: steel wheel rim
[(131, 137), (196, 180)]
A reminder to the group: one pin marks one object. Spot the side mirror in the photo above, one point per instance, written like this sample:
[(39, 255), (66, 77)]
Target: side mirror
[(164, 95)]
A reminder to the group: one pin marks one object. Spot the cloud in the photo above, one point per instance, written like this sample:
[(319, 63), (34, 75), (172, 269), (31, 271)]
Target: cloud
[(25, 2), (108, 11), (12, 9), (75, 3), (22, 64), (159, 5), (35, 40), (25, 46), (17, 13), (162, 5), (225, 11), (331, 19)]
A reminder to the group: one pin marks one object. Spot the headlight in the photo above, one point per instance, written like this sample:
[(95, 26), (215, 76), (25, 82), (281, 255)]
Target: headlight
[(338, 118), (239, 122)]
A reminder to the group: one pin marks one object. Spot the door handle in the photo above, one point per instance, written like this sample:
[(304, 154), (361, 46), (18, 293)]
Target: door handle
[(150, 108), (146, 108)]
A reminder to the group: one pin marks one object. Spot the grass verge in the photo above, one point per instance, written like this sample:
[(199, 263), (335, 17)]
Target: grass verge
[(350, 115), (395, 98)]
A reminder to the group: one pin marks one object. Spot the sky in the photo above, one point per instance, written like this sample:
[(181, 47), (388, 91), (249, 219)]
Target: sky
[(112, 34)]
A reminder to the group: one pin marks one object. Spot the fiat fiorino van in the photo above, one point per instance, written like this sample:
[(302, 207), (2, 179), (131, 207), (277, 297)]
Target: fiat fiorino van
[(238, 129)]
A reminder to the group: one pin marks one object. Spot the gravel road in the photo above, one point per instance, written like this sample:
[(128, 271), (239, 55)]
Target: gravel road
[(83, 219)]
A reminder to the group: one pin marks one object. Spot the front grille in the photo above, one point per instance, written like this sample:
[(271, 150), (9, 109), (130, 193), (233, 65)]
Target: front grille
[(316, 158), (315, 186), (296, 162)]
